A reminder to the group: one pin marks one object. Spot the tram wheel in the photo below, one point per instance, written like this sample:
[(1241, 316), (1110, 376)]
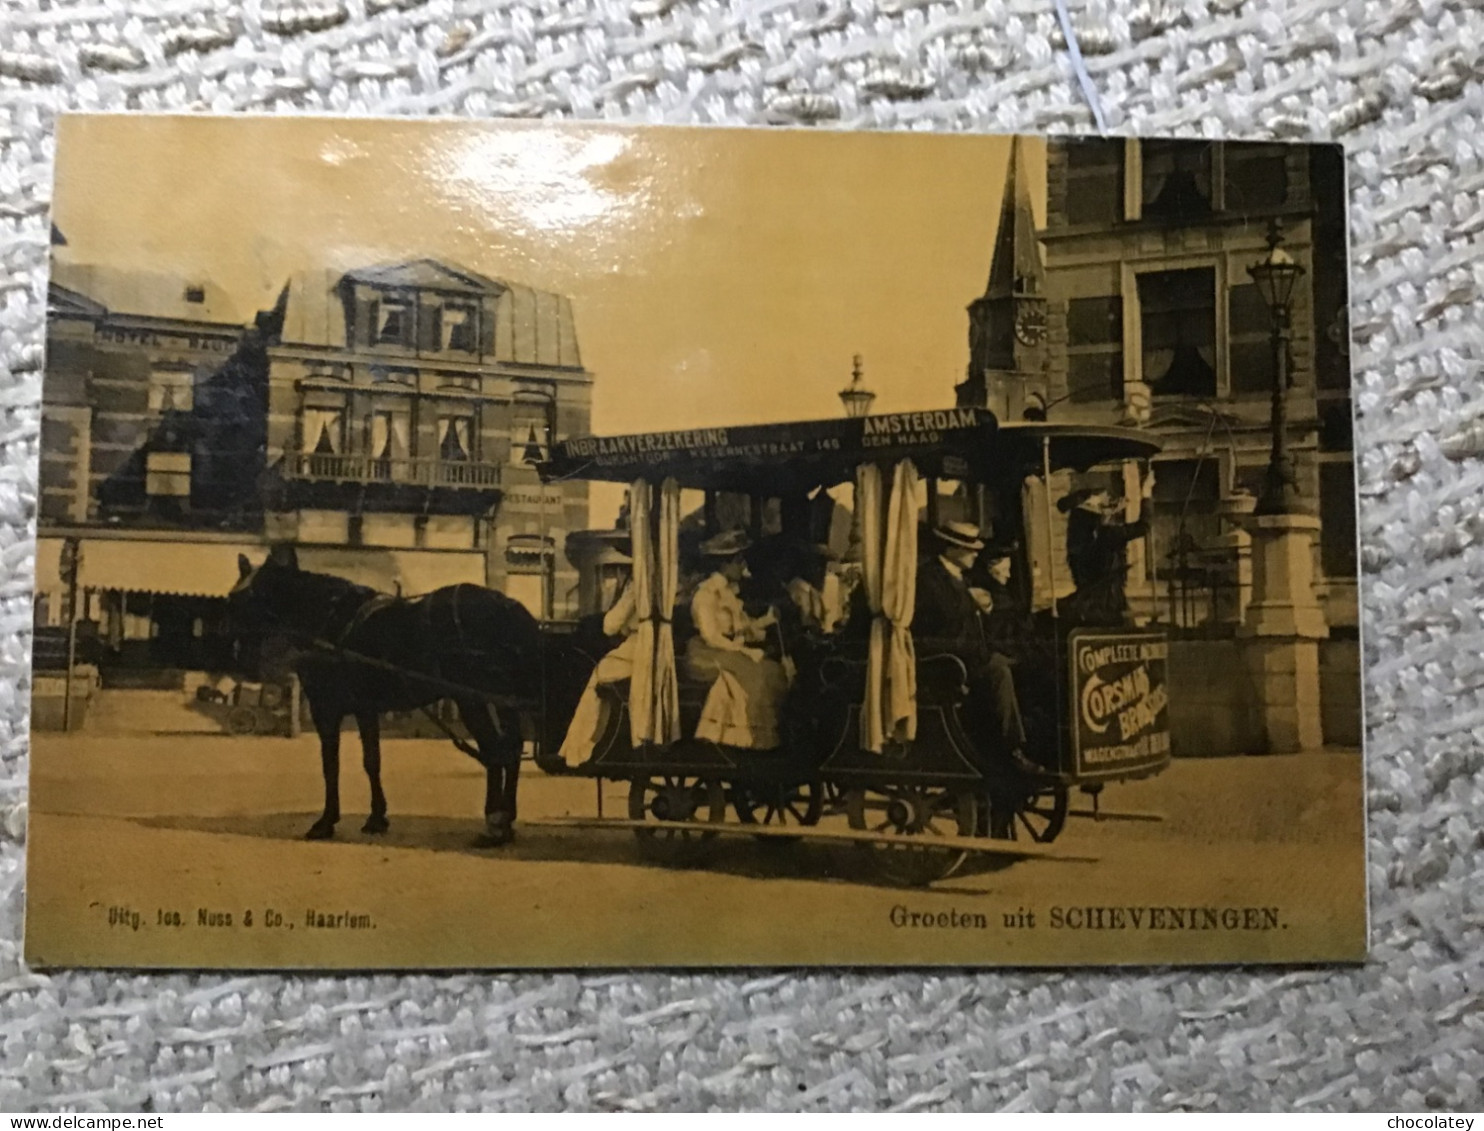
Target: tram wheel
[(1037, 812), (778, 804), (909, 810), (675, 797), (242, 720)]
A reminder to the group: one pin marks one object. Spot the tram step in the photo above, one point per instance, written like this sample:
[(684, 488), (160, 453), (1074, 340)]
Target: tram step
[(1115, 815), (984, 845)]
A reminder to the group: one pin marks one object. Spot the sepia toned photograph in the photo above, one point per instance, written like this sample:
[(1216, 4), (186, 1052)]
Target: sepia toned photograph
[(512, 545)]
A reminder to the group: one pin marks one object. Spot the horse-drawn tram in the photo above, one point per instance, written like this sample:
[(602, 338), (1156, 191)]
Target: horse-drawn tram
[(859, 619)]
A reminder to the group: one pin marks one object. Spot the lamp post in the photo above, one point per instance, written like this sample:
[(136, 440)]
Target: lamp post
[(856, 398), (1276, 277)]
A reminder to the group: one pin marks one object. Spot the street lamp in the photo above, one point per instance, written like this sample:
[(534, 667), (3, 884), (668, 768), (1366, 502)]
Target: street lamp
[(856, 398), (1276, 277)]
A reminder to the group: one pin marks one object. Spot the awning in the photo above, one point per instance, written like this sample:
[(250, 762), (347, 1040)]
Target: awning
[(188, 569), (413, 572)]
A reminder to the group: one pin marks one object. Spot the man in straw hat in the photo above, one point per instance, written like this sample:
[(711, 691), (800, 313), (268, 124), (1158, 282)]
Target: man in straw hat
[(947, 619)]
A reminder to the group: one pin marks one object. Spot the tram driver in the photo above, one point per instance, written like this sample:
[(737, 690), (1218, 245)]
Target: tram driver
[(948, 619), (1098, 532)]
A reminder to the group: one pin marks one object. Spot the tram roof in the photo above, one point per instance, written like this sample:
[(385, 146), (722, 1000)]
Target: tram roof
[(957, 443)]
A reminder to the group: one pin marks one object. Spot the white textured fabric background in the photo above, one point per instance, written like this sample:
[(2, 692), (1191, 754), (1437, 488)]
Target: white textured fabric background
[(1398, 80)]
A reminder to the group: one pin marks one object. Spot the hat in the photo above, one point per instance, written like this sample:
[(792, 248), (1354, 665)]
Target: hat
[(727, 544), (964, 535), (1074, 499), (995, 549)]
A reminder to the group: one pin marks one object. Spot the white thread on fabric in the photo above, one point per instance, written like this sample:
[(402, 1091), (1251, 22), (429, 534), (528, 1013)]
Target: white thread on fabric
[(1399, 83)]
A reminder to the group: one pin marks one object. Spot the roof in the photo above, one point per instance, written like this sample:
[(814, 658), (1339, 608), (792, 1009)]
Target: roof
[(791, 458), (1016, 266), (531, 327), (426, 274), (154, 294)]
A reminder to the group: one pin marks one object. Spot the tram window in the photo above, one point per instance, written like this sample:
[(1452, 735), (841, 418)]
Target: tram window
[(1178, 316)]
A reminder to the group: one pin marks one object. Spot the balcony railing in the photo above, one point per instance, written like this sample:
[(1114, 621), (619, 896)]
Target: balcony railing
[(410, 472)]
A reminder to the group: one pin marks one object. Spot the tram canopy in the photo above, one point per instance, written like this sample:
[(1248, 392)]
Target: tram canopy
[(782, 459)]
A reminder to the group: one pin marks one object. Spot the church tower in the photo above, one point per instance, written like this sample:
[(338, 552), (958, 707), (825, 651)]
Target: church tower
[(1007, 324)]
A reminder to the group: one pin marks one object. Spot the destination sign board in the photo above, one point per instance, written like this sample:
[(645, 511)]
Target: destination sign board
[(903, 431)]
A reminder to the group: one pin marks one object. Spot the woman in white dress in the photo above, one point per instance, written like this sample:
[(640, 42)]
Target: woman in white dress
[(591, 717), (748, 687)]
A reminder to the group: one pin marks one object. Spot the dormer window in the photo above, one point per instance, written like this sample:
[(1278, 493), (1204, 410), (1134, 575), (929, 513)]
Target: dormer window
[(393, 322), (457, 325), (195, 293)]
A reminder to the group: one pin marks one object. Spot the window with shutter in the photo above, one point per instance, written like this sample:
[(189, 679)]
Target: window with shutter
[(1095, 349)]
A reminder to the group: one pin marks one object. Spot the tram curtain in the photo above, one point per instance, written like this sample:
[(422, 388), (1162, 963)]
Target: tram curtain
[(889, 568), (654, 699)]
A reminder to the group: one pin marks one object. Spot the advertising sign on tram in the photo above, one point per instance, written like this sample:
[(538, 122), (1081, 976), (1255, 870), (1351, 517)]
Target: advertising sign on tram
[(1121, 723)]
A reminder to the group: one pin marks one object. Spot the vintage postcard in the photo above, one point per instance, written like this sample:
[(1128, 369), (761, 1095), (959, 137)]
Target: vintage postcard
[(509, 545)]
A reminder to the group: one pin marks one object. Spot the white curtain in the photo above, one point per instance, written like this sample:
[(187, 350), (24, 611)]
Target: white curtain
[(641, 684), (888, 530), (454, 443), (898, 603), (322, 426), (394, 427), (654, 695), (666, 716), (868, 506)]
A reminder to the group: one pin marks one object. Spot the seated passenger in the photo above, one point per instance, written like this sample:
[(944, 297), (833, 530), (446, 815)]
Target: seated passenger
[(747, 688), (1004, 618), (948, 620), (591, 717)]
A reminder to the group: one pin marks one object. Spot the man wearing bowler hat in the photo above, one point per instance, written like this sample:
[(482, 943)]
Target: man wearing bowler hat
[(947, 619)]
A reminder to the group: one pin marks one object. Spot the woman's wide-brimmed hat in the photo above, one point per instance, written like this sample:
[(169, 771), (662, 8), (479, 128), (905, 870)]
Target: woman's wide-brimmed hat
[(727, 544), (964, 535)]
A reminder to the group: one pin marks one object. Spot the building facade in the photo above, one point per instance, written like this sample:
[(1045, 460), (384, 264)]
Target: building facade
[(386, 421), (1133, 305)]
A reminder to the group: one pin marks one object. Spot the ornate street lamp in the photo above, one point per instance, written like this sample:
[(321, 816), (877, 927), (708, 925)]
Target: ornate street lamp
[(856, 398), (1276, 277)]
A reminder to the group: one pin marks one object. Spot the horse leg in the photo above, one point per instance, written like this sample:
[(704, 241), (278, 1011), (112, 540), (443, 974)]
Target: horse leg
[(370, 729), (511, 749), (487, 739), (327, 725)]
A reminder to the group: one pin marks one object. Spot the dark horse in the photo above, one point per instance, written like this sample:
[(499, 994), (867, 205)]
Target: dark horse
[(361, 653)]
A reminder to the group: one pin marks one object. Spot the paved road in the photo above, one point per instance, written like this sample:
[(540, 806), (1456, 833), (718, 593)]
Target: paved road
[(209, 826)]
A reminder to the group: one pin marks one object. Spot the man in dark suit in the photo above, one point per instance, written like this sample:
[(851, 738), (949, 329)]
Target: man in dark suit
[(947, 620), (1098, 533)]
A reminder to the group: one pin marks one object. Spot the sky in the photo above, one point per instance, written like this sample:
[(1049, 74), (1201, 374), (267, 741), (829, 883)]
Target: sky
[(718, 277)]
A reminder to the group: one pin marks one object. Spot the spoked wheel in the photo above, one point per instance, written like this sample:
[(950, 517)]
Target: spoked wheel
[(917, 811), (833, 799), (1036, 812), (778, 804), (675, 798), (242, 720)]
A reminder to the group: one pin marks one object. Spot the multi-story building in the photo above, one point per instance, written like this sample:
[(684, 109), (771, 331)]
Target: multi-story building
[(386, 421), (1133, 304)]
